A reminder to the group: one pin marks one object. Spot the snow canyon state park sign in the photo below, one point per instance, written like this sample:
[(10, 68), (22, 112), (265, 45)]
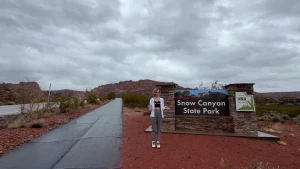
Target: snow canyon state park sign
[(229, 110)]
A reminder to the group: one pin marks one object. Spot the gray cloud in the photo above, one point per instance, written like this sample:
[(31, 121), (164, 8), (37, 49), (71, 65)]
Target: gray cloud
[(82, 44)]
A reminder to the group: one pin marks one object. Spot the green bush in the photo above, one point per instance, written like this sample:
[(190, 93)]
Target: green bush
[(91, 96), (290, 110), (81, 103), (111, 95), (76, 102), (135, 100), (65, 102)]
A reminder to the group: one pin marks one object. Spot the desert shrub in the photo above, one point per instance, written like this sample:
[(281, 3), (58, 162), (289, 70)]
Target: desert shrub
[(102, 98), (76, 103), (285, 117), (65, 102), (20, 121), (286, 100), (275, 119), (81, 103), (91, 96), (297, 119), (290, 110), (135, 100), (38, 123), (111, 95)]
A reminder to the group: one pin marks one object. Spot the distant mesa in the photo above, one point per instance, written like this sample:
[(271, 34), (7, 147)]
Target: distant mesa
[(8, 90), (143, 87)]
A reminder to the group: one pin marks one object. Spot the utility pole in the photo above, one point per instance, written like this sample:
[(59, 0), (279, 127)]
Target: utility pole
[(49, 94)]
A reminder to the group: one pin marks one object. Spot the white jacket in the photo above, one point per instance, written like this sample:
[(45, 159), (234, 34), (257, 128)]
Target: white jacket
[(162, 107)]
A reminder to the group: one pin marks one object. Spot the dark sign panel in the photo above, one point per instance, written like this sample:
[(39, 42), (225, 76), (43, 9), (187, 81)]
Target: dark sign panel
[(201, 102)]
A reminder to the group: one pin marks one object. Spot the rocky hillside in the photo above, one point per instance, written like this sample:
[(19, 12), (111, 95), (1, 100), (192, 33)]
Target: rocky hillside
[(8, 90), (58, 93), (143, 87)]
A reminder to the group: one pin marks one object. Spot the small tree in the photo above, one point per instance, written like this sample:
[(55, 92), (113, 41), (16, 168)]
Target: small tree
[(214, 85)]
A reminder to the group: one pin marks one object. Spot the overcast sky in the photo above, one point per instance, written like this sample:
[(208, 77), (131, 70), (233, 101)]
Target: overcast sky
[(76, 44)]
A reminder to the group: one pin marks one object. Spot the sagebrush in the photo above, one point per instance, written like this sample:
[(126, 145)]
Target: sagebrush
[(290, 110), (135, 100)]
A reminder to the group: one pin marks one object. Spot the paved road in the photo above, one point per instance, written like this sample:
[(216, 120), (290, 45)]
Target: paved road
[(16, 109), (88, 142)]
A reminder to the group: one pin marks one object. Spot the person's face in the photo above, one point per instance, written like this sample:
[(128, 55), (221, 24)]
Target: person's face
[(157, 93)]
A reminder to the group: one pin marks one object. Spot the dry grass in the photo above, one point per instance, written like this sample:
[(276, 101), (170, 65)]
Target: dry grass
[(254, 164), (224, 165), (281, 143), (279, 128), (259, 165), (19, 120), (63, 121), (135, 111), (17, 123)]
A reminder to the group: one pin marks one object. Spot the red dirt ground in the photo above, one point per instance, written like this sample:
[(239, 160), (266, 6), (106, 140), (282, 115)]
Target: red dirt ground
[(13, 138), (183, 151)]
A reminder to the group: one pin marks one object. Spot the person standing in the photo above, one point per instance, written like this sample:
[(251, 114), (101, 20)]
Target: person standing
[(157, 108)]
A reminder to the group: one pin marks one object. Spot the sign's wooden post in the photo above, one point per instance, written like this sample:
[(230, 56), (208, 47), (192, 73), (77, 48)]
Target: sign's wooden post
[(167, 93), (243, 121)]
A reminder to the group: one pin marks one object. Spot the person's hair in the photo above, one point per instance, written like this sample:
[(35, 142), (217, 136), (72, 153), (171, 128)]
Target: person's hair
[(155, 90)]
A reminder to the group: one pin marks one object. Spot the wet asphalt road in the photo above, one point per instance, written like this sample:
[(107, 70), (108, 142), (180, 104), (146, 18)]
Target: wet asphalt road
[(91, 141)]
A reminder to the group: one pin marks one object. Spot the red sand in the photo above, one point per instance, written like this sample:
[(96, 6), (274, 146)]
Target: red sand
[(183, 151)]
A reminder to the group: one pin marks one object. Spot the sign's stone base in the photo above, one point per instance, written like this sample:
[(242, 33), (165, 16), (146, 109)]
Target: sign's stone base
[(204, 123), (255, 135)]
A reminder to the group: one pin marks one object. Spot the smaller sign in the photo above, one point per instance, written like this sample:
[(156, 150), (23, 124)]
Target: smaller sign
[(244, 102)]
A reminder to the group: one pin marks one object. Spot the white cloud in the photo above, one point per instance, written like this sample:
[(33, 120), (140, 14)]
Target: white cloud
[(82, 44)]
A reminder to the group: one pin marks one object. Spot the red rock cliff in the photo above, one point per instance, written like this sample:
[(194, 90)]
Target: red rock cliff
[(7, 90), (143, 87)]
